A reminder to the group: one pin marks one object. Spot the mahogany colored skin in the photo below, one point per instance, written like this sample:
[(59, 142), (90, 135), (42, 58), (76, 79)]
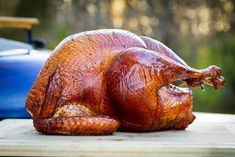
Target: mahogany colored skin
[(98, 81)]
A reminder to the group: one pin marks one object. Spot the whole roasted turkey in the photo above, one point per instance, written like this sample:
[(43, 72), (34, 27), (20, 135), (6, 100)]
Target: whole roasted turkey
[(98, 81)]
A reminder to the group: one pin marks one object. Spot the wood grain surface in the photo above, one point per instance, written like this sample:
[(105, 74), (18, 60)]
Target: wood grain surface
[(209, 135)]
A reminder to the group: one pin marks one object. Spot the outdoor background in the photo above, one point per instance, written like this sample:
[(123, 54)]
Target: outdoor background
[(202, 32)]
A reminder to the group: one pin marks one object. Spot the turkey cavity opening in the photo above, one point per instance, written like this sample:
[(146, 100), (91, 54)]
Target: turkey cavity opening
[(178, 90)]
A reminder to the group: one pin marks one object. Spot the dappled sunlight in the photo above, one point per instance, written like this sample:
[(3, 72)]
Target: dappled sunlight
[(200, 32), (117, 10)]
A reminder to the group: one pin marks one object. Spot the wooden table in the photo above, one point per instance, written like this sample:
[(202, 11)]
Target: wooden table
[(209, 135)]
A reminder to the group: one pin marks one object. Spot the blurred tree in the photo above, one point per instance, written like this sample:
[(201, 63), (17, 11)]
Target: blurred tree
[(201, 32)]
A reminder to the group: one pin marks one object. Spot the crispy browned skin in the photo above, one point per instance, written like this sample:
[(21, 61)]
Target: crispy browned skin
[(98, 81)]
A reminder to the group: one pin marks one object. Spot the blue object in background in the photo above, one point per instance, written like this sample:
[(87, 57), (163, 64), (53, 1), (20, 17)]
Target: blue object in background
[(18, 70), (7, 44)]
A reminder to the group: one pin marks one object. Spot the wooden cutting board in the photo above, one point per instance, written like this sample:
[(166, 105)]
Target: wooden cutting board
[(209, 135)]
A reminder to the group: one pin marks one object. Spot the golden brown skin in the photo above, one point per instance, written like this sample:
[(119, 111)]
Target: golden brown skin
[(98, 81)]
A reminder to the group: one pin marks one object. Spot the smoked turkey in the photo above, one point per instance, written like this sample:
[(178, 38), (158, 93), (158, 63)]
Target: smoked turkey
[(98, 81)]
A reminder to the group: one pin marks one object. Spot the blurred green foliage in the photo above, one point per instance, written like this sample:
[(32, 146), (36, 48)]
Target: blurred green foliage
[(220, 51), (201, 32)]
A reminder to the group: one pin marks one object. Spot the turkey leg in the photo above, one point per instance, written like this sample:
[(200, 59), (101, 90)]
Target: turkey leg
[(134, 77), (211, 75)]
